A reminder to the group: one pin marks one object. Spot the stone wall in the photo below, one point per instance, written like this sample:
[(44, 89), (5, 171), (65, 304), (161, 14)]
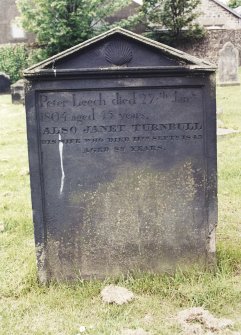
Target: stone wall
[(210, 46)]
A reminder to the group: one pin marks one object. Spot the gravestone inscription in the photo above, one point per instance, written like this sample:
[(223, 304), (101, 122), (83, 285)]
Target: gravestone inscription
[(228, 65), (122, 159)]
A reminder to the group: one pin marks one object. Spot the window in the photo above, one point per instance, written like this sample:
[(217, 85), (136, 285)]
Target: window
[(17, 31)]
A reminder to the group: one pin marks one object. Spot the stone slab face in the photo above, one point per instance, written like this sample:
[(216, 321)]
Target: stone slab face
[(123, 168), (228, 65)]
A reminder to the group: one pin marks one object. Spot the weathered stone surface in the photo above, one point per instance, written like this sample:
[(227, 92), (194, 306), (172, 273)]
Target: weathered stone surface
[(4, 83), (116, 294), (197, 320), (17, 92), (122, 148), (228, 65), (214, 40)]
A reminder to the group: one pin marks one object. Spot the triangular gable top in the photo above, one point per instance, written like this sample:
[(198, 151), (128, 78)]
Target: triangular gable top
[(230, 10), (66, 60)]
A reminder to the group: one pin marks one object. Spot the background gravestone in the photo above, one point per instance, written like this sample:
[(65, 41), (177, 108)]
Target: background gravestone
[(4, 83), (17, 92), (228, 65), (122, 149)]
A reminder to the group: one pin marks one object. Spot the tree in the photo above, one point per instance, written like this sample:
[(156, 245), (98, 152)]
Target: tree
[(234, 3), (61, 24), (176, 16)]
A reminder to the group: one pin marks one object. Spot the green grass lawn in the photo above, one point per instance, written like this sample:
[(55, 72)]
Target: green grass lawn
[(26, 308)]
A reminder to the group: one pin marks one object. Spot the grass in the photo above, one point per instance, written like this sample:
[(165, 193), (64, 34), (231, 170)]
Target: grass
[(60, 309)]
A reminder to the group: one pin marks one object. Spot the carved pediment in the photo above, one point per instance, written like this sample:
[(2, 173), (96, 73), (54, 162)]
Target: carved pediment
[(118, 48)]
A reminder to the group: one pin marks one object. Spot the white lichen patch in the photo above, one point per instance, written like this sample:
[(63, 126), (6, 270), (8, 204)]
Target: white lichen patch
[(116, 294)]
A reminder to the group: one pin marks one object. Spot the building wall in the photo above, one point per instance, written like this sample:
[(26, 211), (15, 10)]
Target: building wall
[(9, 31), (124, 13), (214, 15)]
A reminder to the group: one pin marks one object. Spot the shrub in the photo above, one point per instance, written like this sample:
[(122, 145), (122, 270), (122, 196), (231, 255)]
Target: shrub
[(172, 21), (14, 58)]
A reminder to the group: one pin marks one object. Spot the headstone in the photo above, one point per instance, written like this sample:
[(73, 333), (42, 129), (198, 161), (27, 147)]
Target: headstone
[(228, 65), (17, 92), (122, 149), (4, 83)]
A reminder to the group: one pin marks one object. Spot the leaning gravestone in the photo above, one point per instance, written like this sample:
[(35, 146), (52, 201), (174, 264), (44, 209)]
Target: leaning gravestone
[(228, 65), (4, 83), (122, 149)]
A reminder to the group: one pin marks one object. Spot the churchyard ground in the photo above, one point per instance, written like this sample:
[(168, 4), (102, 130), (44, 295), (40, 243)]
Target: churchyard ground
[(60, 309)]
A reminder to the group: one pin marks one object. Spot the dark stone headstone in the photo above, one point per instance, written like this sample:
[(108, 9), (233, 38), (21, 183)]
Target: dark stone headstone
[(17, 92), (122, 149), (4, 83)]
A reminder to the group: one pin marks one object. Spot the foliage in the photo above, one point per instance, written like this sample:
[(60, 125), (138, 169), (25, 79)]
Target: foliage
[(13, 59), (234, 3), (175, 18), (61, 24)]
